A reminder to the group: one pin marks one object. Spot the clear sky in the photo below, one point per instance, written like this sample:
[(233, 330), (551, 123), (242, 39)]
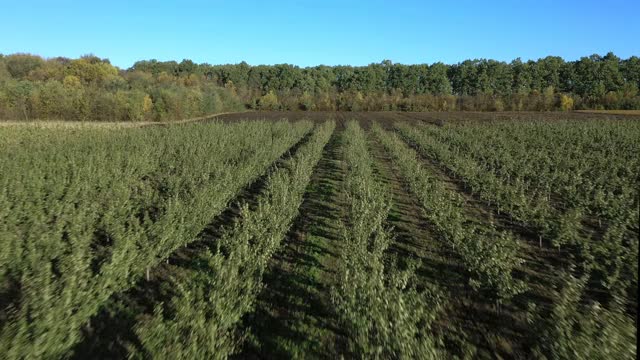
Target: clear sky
[(317, 32)]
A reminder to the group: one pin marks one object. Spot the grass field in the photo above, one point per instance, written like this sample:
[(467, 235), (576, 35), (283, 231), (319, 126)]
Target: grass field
[(271, 235)]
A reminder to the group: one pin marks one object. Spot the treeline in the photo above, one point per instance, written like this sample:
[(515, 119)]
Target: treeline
[(551, 83), (90, 88)]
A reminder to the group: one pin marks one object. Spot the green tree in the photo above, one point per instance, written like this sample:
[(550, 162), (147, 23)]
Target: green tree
[(20, 65)]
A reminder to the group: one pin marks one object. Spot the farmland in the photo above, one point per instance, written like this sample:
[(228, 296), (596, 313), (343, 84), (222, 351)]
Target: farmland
[(322, 234)]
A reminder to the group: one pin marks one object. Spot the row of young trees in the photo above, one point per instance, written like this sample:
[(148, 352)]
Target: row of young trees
[(489, 256), (85, 214), (384, 314), (557, 179), (90, 88), (574, 183), (574, 324), (202, 319)]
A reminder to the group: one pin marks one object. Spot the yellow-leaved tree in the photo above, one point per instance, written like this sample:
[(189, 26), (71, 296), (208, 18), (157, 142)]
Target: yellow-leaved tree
[(147, 107), (269, 101), (566, 102)]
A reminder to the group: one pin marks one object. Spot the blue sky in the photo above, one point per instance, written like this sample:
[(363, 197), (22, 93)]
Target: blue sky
[(328, 32)]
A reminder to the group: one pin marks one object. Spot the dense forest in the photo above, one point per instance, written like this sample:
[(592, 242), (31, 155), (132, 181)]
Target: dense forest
[(90, 88)]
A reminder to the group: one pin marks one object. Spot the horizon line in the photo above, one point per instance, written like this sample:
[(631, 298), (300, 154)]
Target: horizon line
[(524, 60)]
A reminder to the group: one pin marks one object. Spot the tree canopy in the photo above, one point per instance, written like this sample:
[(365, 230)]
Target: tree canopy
[(91, 88)]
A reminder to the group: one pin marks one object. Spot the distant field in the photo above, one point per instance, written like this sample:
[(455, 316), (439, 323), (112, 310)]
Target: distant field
[(364, 117), (320, 235), (613, 112), (52, 124), (101, 124), (428, 117)]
